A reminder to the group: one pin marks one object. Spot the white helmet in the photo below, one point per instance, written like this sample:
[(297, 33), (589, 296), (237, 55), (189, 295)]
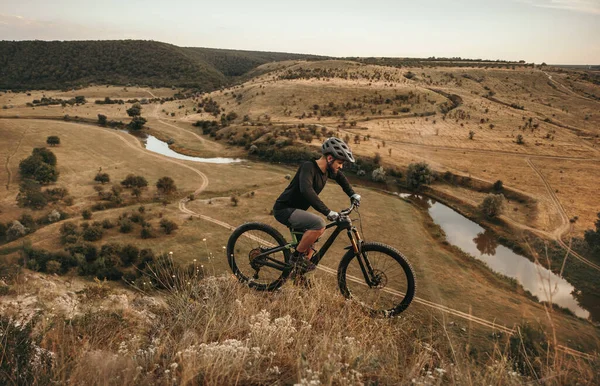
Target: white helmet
[(338, 149)]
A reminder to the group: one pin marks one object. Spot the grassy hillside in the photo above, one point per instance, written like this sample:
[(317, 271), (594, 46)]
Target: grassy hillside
[(59, 65)]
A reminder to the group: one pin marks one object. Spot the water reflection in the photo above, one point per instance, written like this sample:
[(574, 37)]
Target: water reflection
[(473, 239), (486, 243), (156, 145), (480, 243)]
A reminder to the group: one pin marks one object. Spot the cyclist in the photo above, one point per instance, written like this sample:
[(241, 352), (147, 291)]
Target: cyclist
[(302, 193)]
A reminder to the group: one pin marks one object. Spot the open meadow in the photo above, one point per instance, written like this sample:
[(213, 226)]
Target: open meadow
[(537, 133)]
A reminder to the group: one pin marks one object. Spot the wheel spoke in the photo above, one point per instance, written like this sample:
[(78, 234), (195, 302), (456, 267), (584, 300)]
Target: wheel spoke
[(246, 250)]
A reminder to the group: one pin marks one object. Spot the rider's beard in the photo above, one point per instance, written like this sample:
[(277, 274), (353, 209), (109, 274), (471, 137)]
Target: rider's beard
[(331, 173)]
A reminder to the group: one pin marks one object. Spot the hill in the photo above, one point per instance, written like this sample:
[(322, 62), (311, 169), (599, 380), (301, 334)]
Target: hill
[(59, 65)]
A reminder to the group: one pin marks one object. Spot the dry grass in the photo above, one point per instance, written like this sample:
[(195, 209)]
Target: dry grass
[(214, 331)]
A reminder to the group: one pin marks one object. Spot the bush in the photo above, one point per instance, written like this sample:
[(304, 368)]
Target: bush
[(378, 175), (147, 231), (102, 178), (68, 229), (137, 123), (102, 120), (125, 226), (134, 181), (15, 231), (137, 218), (53, 140), (129, 255), (166, 185), (498, 186), (520, 140), (492, 205), (86, 214), (107, 224), (92, 233), (168, 226), (418, 174)]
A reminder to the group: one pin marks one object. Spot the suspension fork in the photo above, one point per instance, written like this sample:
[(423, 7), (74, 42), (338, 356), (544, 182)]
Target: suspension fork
[(361, 256)]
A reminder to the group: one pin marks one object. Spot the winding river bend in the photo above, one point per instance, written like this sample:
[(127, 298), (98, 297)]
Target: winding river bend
[(481, 244), (156, 145)]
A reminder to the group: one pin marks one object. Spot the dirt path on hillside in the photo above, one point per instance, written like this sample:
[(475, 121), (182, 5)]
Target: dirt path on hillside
[(565, 227), (157, 117), (568, 90)]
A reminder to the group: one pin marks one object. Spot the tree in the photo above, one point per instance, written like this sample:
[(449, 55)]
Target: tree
[(520, 140), (498, 186), (102, 178), (135, 110), (45, 174), (418, 174), (168, 226), (30, 195), (102, 119), (471, 134), (132, 181), (46, 155), (53, 140), (166, 185), (492, 205), (29, 165), (592, 237), (137, 123)]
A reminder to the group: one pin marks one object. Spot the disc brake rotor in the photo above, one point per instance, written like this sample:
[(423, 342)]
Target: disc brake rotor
[(379, 279)]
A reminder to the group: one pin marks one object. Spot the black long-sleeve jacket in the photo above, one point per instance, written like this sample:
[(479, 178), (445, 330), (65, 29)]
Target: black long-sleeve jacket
[(303, 190)]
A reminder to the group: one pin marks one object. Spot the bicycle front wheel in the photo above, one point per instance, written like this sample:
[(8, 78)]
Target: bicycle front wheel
[(380, 279), (249, 258)]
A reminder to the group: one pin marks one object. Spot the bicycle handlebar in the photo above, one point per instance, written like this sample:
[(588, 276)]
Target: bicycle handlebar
[(346, 212)]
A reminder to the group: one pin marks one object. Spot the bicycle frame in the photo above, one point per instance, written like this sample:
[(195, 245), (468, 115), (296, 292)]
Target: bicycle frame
[(344, 223)]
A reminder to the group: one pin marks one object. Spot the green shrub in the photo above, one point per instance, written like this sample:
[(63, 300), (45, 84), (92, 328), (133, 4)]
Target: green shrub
[(418, 174), (86, 214), (92, 233), (147, 231), (492, 205), (168, 226), (125, 226), (129, 255)]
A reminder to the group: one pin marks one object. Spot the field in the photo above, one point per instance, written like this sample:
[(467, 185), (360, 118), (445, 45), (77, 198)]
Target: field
[(557, 168)]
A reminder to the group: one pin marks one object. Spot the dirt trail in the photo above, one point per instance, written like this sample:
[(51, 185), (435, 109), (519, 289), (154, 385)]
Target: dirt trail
[(566, 224), (157, 117), (566, 88)]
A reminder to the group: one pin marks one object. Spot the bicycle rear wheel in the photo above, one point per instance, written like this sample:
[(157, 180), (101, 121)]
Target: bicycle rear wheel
[(390, 286), (246, 256)]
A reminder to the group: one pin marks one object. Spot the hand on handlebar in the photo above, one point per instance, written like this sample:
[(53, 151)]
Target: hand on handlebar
[(355, 200), (333, 216)]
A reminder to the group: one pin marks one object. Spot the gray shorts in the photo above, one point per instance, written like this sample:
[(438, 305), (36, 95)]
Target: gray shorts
[(299, 219)]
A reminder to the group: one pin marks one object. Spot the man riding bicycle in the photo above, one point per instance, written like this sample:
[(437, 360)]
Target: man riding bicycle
[(302, 193)]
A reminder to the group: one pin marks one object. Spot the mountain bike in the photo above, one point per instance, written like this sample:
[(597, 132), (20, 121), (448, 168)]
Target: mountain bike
[(375, 275)]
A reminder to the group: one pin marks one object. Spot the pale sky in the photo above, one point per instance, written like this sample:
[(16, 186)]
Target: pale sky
[(551, 31)]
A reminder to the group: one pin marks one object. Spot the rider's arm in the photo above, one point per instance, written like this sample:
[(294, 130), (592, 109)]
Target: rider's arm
[(305, 182), (341, 179)]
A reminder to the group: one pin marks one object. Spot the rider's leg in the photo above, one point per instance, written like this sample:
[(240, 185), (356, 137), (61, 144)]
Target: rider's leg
[(308, 239)]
